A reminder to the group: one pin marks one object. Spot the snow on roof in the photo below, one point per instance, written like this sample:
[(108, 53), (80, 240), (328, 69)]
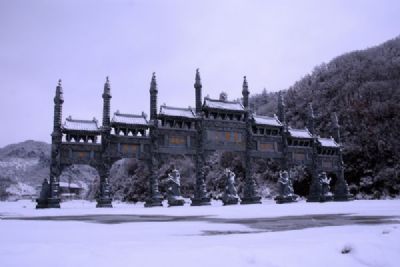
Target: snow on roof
[(300, 133), (220, 104), (69, 185), (328, 142), (80, 125), (177, 112), (266, 120), (129, 118)]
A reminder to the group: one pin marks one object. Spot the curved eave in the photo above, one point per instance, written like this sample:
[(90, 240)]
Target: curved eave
[(87, 132), (224, 110), (161, 116), (129, 125)]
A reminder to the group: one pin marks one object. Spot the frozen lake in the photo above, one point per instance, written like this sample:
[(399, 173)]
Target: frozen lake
[(298, 234)]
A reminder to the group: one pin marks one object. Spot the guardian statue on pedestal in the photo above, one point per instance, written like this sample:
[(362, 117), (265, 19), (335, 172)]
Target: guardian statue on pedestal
[(326, 195), (286, 192), (174, 188), (230, 196)]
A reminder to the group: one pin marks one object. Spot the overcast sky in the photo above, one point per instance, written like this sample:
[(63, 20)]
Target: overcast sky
[(274, 43)]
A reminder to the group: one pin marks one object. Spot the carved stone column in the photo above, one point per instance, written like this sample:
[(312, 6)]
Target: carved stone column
[(50, 192), (49, 196), (341, 191), (314, 194), (250, 195), (104, 199), (154, 198), (200, 194)]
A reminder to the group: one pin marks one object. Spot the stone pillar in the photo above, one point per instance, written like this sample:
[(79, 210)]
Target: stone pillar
[(154, 198), (341, 191), (311, 117), (315, 191), (314, 194), (200, 194), (104, 199), (49, 196), (245, 93), (281, 109), (284, 133), (106, 103), (250, 195), (198, 86), (153, 97)]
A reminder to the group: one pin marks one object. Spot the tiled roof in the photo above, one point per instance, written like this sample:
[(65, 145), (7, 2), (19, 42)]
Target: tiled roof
[(266, 120), (220, 104), (129, 119), (80, 125), (177, 112), (300, 133), (328, 142)]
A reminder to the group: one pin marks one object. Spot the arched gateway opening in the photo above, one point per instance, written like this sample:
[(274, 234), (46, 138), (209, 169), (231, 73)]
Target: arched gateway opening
[(78, 181)]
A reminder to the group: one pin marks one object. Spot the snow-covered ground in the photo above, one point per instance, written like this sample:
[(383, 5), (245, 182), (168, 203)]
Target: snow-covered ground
[(299, 234)]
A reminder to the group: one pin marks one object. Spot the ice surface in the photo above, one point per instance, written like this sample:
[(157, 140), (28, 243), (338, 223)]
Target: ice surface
[(71, 242)]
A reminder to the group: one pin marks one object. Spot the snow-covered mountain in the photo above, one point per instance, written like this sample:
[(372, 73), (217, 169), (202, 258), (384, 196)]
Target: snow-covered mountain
[(23, 166)]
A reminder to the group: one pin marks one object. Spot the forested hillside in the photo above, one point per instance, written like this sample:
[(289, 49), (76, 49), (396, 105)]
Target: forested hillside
[(363, 88)]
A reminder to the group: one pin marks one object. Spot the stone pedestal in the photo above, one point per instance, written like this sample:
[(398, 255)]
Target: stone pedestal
[(230, 200), (342, 191), (250, 196), (104, 203), (326, 198), (155, 201), (315, 191), (348, 197), (313, 199), (176, 201), (202, 201), (286, 199), (41, 203), (251, 200), (104, 199)]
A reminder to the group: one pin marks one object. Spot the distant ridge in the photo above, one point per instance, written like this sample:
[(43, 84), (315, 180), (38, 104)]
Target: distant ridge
[(363, 87)]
